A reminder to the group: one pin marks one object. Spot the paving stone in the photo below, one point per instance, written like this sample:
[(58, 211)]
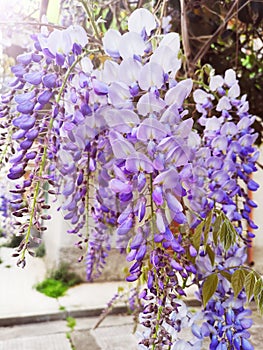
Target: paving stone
[(83, 340), (115, 338), (50, 342)]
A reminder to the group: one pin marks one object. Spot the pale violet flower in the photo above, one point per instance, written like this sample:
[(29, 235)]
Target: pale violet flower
[(111, 43), (202, 97), (167, 59), (131, 44), (121, 120), (151, 75), (234, 91), (179, 93), (150, 103), (86, 65), (181, 345), (216, 81), (172, 40), (213, 124), (77, 35), (120, 146), (62, 41), (119, 95), (166, 25), (223, 104), (57, 42), (140, 20), (129, 70), (110, 71), (230, 77)]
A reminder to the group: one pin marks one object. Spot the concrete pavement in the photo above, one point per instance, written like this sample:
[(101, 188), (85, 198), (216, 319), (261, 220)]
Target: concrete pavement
[(30, 320), (115, 333), (21, 303)]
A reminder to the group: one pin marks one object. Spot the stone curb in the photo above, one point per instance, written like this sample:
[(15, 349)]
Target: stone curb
[(57, 316), (62, 315)]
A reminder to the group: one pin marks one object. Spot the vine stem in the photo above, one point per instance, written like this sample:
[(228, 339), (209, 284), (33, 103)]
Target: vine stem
[(87, 201), (90, 16), (43, 160)]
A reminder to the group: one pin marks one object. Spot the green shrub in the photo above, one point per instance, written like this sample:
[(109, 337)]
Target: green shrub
[(58, 282), (41, 251), (14, 242), (66, 276), (52, 288)]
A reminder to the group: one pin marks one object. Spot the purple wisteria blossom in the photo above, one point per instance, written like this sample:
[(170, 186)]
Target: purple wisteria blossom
[(142, 160)]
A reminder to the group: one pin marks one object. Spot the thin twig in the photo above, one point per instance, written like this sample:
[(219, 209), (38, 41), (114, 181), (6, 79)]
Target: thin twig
[(184, 31), (205, 47), (56, 26)]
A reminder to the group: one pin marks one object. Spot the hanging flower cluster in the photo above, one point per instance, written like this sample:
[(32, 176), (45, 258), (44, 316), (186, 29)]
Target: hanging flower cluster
[(144, 161)]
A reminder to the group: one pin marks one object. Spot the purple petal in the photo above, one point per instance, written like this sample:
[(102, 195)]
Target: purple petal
[(44, 97), (50, 80), (27, 96), (157, 195), (252, 185), (151, 129), (160, 222), (175, 265), (33, 78), (24, 58), (19, 134), (125, 226), (32, 134), (138, 162), (25, 107), (99, 87), (31, 155), (26, 144), (142, 208), (118, 186), (68, 188), (141, 252), (173, 203)]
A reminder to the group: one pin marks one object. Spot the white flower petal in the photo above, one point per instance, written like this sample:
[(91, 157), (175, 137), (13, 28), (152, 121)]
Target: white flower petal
[(171, 40), (230, 77), (111, 42), (234, 91), (179, 93), (141, 19), (216, 81), (131, 44)]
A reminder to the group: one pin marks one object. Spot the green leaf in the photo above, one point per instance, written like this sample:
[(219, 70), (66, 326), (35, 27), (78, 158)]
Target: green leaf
[(226, 275), (227, 234), (237, 281), (260, 303), (250, 281), (258, 290), (211, 254), (208, 226), (197, 235), (209, 287), (217, 228)]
